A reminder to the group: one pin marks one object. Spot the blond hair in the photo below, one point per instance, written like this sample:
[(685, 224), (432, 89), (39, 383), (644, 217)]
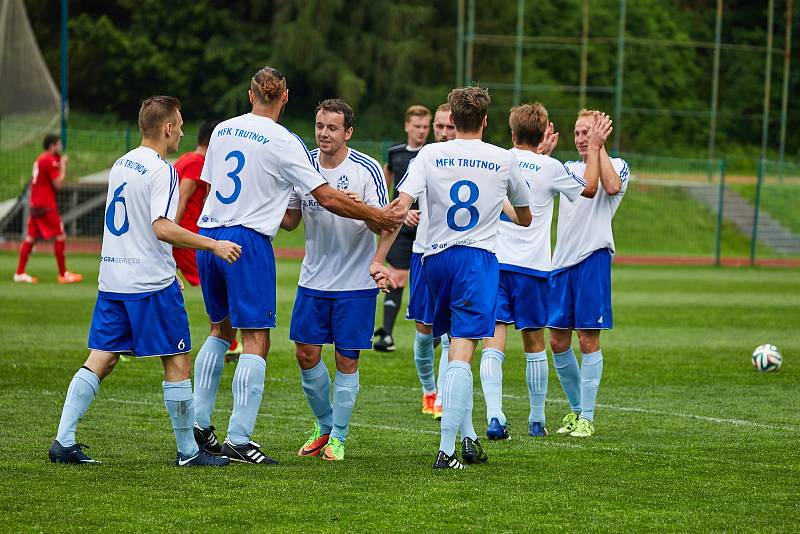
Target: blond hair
[(443, 107), (587, 113), (417, 111), (528, 122), (155, 112)]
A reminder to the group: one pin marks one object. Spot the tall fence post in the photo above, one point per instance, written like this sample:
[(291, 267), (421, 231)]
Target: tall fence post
[(720, 214), (761, 162)]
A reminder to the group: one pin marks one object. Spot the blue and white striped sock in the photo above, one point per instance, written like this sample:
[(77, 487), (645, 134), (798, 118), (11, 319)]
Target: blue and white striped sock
[(492, 384), (536, 375), (248, 387), (207, 371), (569, 374), (178, 400), (316, 384), (81, 392), (345, 392), (591, 371)]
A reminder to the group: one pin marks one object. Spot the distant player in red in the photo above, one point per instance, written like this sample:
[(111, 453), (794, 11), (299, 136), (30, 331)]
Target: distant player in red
[(49, 173), (192, 194)]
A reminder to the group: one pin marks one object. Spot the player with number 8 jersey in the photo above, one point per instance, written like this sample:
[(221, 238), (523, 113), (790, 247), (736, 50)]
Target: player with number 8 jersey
[(466, 184)]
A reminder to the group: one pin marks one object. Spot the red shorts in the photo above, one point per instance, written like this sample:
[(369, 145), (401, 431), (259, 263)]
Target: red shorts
[(45, 223), (186, 259)]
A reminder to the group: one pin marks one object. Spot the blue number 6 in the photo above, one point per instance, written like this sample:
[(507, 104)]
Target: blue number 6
[(112, 208), (234, 175), (466, 205)]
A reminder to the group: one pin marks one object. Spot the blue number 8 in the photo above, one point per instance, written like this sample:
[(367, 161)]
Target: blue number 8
[(465, 205), (112, 208), (233, 175)]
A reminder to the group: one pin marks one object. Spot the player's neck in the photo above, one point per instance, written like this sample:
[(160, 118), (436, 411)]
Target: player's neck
[(159, 148), (272, 112), (201, 149), (331, 161), (529, 148), (470, 135), (410, 143)]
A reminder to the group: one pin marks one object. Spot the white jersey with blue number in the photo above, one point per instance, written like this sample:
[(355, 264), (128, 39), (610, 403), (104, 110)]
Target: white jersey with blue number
[(142, 187), (465, 182), (585, 225), (252, 164), (339, 250), (527, 250)]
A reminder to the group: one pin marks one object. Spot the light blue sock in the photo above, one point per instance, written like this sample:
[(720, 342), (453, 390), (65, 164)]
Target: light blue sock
[(207, 372), (456, 401), (317, 389), (536, 374), (423, 359), (492, 384), (80, 394), (345, 391), (569, 374), (178, 400), (248, 386), (467, 430), (442, 369), (591, 371)]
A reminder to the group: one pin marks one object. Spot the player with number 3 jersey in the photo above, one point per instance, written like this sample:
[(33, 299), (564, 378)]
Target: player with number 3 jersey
[(466, 183), (252, 165)]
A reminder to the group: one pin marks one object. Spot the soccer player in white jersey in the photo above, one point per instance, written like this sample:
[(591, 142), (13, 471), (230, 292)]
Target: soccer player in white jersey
[(580, 283), (139, 307), (252, 164), (524, 256), (420, 305), (336, 296), (465, 182)]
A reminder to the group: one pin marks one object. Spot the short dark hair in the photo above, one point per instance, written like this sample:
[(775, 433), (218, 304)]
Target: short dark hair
[(155, 111), (268, 84), (468, 106), (50, 140), (337, 105), (205, 131), (528, 122)]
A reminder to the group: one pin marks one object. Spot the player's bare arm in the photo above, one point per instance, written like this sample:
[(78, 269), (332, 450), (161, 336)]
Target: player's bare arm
[(185, 191), (611, 181), (171, 233), (519, 215), (291, 219), (596, 138), (58, 183), (379, 272), (339, 203)]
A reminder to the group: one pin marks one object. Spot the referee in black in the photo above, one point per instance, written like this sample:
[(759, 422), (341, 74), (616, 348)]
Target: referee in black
[(417, 126)]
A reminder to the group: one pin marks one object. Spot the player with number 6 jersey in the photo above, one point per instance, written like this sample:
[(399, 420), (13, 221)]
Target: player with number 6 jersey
[(252, 165), (139, 307), (466, 183)]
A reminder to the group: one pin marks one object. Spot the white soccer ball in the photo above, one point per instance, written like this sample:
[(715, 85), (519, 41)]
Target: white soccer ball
[(767, 358)]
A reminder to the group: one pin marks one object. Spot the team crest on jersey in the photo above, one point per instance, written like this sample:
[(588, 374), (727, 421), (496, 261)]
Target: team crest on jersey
[(343, 182)]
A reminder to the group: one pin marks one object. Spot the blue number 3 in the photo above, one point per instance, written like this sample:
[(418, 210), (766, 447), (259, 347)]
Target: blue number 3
[(234, 175), (111, 211), (466, 205)]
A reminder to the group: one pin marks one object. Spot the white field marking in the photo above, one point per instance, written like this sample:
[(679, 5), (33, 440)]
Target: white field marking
[(552, 442), (628, 409), (649, 411)]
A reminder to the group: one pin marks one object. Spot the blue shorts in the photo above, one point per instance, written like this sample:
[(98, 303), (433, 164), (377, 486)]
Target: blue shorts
[(344, 318), (580, 296), (155, 325), (522, 300), (245, 289), (420, 302), (463, 283)]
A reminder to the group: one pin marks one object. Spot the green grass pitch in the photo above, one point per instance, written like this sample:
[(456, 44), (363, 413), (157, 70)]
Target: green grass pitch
[(689, 436)]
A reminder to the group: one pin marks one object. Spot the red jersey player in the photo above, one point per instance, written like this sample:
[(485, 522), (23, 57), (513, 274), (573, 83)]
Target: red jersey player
[(44, 222), (192, 195)]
